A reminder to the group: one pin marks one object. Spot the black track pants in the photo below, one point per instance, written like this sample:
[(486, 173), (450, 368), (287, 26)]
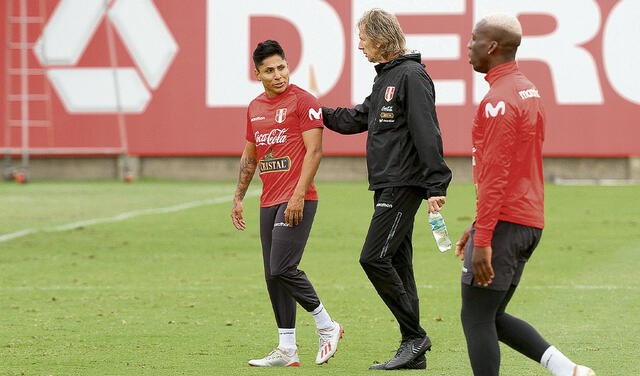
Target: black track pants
[(387, 255), (282, 248)]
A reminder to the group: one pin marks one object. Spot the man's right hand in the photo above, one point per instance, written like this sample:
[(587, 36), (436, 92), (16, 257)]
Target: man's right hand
[(436, 203), (236, 216), (481, 264)]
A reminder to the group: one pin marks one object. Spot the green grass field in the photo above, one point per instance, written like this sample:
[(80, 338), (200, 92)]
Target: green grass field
[(182, 293)]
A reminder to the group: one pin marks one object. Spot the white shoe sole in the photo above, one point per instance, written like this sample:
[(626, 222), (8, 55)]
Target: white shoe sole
[(294, 364)]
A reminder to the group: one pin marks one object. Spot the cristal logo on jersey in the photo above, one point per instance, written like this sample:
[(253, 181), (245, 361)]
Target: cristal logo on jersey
[(490, 110), (275, 136), (271, 163), (281, 114), (388, 94)]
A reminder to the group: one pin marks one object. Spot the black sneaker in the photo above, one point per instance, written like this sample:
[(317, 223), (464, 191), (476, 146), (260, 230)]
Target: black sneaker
[(383, 366), (380, 366), (410, 354), (418, 363), (412, 349)]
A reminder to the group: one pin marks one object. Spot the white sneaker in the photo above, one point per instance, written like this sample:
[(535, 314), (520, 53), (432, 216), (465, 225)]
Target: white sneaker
[(277, 358), (579, 370), (328, 342)]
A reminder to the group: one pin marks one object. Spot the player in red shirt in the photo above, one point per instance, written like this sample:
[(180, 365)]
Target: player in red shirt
[(284, 142), (507, 134)]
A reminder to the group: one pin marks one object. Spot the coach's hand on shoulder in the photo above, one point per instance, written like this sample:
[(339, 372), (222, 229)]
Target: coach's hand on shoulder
[(293, 212), (236, 215), (462, 242), (436, 203), (481, 264)]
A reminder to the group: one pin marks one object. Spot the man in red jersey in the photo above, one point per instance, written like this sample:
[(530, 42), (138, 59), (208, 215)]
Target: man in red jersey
[(507, 135), (284, 142)]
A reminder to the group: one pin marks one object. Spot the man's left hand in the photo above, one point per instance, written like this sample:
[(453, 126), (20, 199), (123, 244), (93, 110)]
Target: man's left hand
[(436, 203), (481, 264), (293, 212)]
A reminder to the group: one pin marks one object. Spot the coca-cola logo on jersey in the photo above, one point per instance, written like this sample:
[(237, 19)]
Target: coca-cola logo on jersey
[(276, 136)]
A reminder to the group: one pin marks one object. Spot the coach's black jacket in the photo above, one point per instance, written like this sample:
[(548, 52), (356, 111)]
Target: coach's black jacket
[(404, 147)]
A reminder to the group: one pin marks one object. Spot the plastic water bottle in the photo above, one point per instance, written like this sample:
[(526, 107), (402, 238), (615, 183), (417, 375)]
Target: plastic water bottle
[(439, 229)]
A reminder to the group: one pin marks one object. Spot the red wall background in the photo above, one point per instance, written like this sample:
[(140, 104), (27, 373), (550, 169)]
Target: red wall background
[(177, 120)]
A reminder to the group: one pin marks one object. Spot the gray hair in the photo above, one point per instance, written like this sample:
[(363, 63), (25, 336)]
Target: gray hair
[(383, 28)]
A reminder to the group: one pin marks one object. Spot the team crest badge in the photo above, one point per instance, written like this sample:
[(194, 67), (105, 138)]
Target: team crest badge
[(388, 94), (281, 114)]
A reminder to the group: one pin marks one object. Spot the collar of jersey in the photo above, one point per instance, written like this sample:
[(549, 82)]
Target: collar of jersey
[(500, 71), (277, 97), (413, 55)]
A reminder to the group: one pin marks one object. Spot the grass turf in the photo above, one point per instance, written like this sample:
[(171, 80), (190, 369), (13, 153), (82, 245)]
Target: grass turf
[(182, 293)]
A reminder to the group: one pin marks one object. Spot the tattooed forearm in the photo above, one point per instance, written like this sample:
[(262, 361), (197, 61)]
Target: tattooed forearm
[(247, 169)]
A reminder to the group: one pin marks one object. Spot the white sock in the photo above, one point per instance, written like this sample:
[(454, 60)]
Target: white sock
[(323, 320), (557, 363), (287, 339)]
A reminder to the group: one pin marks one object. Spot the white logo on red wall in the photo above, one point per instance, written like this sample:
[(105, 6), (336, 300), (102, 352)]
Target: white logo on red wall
[(281, 115), (105, 89), (275, 136), (388, 94)]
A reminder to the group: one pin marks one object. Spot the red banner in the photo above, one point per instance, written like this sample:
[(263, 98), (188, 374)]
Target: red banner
[(181, 75)]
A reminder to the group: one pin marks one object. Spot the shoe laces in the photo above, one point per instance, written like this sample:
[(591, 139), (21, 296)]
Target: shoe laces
[(275, 354), (403, 345)]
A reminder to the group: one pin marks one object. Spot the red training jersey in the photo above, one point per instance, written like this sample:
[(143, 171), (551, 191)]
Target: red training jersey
[(275, 125), (508, 132)]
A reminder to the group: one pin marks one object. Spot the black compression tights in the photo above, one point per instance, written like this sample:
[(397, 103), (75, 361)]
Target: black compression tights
[(485, 322)]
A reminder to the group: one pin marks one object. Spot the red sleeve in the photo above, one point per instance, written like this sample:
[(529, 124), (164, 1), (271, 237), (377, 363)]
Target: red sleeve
[(309, 112), (500, 130), (250, 136)]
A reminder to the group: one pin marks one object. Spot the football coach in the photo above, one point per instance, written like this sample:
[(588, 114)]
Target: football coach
[(405, 166)]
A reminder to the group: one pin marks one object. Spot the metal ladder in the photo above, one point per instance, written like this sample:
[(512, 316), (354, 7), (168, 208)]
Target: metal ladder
[(23, 119)]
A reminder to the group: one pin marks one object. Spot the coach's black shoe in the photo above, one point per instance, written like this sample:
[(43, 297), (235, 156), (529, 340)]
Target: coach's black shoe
[(418, 363), (379, 366), (383, 366), (410, 353)]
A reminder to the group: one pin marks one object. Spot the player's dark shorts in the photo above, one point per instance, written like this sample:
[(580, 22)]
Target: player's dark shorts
[(512, 246), (283, 243), (282, 249)]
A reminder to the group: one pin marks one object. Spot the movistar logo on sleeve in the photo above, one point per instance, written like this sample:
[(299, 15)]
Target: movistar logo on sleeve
[(491, 111), (315, 114)]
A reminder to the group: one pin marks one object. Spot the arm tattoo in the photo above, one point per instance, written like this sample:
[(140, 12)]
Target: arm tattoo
[(247, 169)]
